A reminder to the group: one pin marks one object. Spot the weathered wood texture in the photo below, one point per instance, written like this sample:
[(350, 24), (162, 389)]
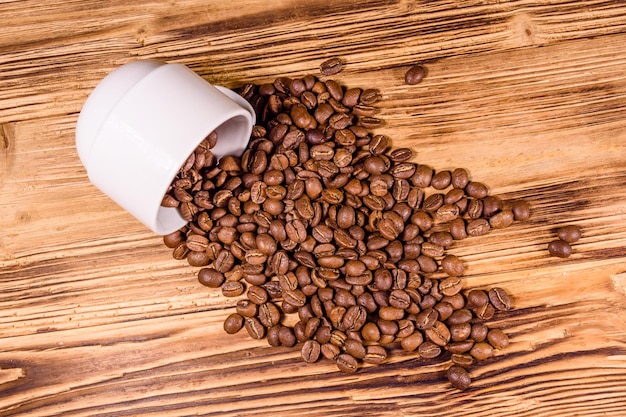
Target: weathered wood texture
[(96, 318)]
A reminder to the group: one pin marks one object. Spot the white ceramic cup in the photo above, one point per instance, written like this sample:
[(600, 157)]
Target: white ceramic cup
[(141, 123)]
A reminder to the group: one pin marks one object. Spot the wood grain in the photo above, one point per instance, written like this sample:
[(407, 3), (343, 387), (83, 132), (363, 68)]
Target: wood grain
[(97, 319)]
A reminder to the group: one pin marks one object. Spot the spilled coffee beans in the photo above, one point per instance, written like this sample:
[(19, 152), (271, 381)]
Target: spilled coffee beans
[(321, 221)]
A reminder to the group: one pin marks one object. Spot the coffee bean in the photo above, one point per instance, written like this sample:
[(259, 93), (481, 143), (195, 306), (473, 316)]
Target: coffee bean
[(232, 288), (521, 210), (500, 299), (481, 351), (458, 377), (311, 351), (347, 363), (254, 328), (233, 323), (453, 266), (375, 354), (439, 334), (497, 338), (451, 286), (331, 66), (559, 248), (210, 277), (414, 75), (569, 234)]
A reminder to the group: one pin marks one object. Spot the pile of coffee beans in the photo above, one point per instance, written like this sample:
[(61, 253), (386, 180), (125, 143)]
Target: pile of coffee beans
[(336, 242), (566, 235)]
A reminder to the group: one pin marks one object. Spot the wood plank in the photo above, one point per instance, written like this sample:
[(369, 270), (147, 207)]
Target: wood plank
[(97, 319)]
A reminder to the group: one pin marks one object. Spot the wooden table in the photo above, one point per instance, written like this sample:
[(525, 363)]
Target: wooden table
[(97, 318)]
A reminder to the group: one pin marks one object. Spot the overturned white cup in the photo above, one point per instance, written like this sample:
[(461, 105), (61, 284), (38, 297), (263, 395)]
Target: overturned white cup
[(141, 123)]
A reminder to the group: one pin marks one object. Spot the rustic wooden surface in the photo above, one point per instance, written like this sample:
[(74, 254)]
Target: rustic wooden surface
[(97, 319)]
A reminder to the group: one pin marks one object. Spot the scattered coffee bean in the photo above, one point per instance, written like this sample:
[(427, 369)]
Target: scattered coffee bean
[(559, 248), (331, 66), (569, 234), (414, 75), (458, 377), (321, 219)]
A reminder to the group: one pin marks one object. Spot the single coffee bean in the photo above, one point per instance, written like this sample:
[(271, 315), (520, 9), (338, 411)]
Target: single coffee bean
[(375, 354), (479, 332), (210, 277), (233, 323), (451, 286), (569, 234), (476, 189), (478, 227), (331, 66), (521, 210), (500, 299), (247, 308), (439, 334), (498, 339), (477, 298), (414, 75), (311, 351), (462, 359), (481, 351), (559, 248), (412, 342), (460, 331), (429, 350), (287, 336), (459, 178), (458, 377), (502, 219), (453, 266), (233, 288), (330, 351), (355, 348), (347, 363), (254, 328), (462, 346)]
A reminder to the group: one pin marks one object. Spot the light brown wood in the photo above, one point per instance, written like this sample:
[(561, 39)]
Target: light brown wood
[(96, 318)]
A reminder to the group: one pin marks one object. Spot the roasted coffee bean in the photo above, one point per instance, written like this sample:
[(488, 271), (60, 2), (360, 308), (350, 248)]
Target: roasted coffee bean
[(462, 346), (560, 248), (460, 331), (477, 298), (479, 332), (210, 277), (247, 308), (569, 234), (330, 351), (233, 288), (287, 336), (452, 266), (500, 299), (439, 334), (233, 323), (311, 351), (254, 328), (331, 66), (414, 75), (347, 363), (521, 210), (429, 350), (451, 286), (481, 351), (412, 342), (458, 377), (375, 354), (501, 219), (478, 227), (269, 315), (497, 338)]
